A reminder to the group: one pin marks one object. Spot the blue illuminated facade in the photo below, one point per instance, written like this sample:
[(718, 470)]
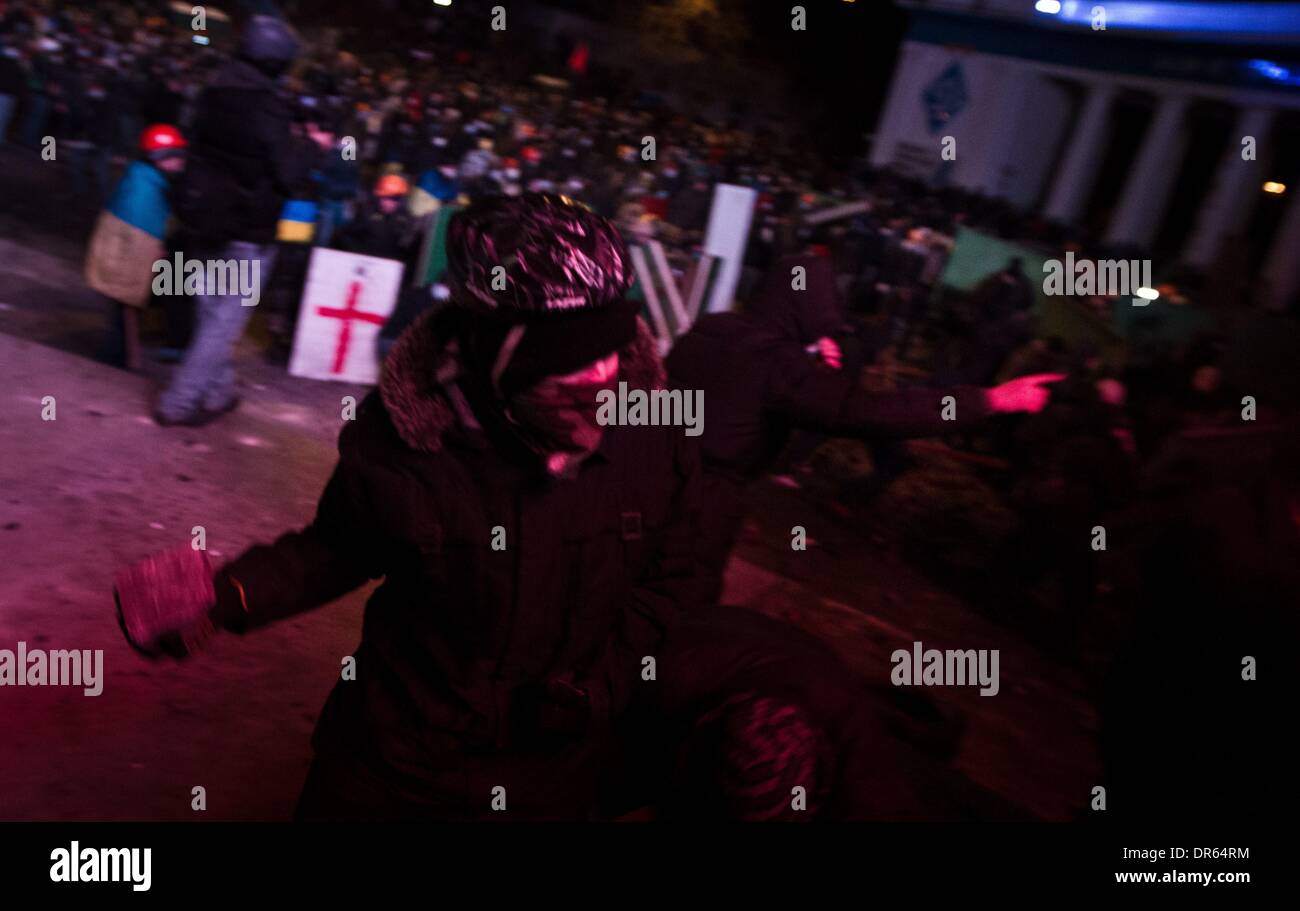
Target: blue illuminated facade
[(1094, 113)]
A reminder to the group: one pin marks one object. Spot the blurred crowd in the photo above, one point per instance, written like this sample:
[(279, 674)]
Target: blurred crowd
[(432, 109), (442, 108), (458, 110), (450, 117)]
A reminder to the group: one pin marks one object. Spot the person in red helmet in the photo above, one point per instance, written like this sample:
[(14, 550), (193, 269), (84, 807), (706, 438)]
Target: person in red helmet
[(129, 238)]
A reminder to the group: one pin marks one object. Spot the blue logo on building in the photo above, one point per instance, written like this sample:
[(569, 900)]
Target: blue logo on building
[(945, 97)]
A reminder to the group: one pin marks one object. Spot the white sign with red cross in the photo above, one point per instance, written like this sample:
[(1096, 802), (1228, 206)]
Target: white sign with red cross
[(345, 302)]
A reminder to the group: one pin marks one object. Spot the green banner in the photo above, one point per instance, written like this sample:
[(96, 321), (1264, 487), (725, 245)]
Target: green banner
[(433, 256), (976, 256)]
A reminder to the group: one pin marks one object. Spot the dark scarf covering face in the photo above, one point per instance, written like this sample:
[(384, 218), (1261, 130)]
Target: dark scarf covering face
[(552, 419), (557, 420)]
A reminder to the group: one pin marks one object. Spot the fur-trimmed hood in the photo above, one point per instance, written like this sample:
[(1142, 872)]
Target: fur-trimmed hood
[(417, 402)]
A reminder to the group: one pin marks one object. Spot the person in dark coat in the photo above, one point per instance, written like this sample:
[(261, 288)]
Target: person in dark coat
[(540, 626), (530, 557), (339, 183), (244, 159), (533, 559), (244, 164), (87, 133), (773, 369), (1073, 467)]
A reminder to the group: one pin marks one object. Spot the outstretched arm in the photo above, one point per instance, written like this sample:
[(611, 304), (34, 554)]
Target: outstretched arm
[(303, 569), (815, 396), (171, 602)]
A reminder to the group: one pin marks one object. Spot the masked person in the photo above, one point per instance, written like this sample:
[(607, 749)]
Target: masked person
[(530, 556), (533, 560)]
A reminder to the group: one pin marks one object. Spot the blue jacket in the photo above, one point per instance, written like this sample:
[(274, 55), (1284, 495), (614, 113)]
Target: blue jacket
[(140, 199)]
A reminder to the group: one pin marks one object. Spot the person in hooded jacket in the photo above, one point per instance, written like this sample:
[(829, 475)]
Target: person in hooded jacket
[(774, 368), (244, 163), (530, 557), (534, 562)]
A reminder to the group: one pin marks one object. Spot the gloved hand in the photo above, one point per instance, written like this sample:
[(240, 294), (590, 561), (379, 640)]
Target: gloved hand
[(165, 603)]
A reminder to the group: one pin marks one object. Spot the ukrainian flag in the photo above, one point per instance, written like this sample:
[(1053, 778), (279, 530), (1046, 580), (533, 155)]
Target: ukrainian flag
[(297, 222)]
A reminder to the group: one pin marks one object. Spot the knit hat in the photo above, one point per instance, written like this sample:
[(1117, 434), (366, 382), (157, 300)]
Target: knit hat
[(543, 280)]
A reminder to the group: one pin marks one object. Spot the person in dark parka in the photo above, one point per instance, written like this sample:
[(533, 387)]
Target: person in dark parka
[(772, 369), (244, 163), (530, 557), (245, 159), (532, 561), (524, 665)]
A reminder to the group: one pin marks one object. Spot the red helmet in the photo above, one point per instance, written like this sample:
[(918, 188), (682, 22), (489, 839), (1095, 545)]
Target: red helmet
[(392, 185), (161, 137)]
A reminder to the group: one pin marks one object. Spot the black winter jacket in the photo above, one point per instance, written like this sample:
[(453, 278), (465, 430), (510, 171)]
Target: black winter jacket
[(594, 570), (243, 162), (389, 236), (760, 384)]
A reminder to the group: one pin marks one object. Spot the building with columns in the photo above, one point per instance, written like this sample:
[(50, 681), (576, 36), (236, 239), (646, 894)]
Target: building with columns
[(1173, 129)]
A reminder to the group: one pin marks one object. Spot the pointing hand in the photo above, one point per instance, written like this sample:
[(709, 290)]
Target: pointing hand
[(1025, 393)]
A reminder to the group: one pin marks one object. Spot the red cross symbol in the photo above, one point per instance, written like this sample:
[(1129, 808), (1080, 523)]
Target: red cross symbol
[(348, 314)]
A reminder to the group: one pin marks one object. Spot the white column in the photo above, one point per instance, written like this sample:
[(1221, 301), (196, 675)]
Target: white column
[(1083, 156), (1281, 272), (1142, 202), (1236, 182)]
